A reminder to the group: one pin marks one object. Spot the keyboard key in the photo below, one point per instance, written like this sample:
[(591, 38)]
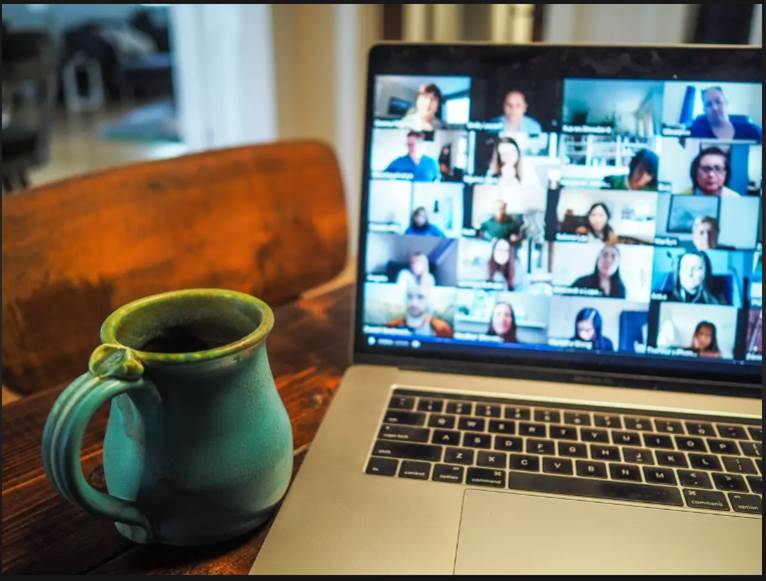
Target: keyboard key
[(401, 402), (550, 416), (458, 456), (627, 491), (508, 444), (486, 477), (658, 441), (540, 447), (733, 432), (756, 433), (640, 424), (557, 466), (756, 483), (753, 449), (487, 410), (732, 482), (472, 440), (699, 429), (404, 418), (659, 475), (637, 455), (592, 435), (705, 499), (572, 450), (747, 503), (563, 432), (675, 459), (407, 450), (577, 418), (604, 421), (462, 408), (522, 462), (502, 426), (403, 433), (382, 466), (691, 444), (739, 465), (704, 462), (431, 405), (626, 438), (723, 446), (668, 426), (416, 470), (517, 413), (694, 479), (491, 459), (535, 430), (448, 473), (625, 472), (444, 422), (591, 469), (611, 453), (446, 437), (471, 424)]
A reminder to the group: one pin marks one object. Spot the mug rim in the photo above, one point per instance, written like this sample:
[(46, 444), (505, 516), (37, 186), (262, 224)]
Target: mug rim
[(110, 325)]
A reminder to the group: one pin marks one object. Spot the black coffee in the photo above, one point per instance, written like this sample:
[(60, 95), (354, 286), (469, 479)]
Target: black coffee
[(186, 339)]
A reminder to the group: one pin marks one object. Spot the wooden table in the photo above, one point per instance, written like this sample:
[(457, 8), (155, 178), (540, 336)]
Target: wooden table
[(309, 349)]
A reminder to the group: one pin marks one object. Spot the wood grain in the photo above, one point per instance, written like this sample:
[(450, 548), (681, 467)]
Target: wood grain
[(309, 349), (269, 220)]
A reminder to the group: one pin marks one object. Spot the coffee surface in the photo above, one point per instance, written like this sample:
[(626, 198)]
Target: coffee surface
[(183, 339)]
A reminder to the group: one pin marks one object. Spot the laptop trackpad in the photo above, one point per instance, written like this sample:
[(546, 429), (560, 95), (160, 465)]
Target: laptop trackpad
[(520, 533)]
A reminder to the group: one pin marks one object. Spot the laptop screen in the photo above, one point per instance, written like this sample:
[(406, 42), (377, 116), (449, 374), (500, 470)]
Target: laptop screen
[(522, 209)]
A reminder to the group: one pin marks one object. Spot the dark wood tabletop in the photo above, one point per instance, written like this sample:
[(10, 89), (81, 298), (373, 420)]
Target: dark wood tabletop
[(309, 349)]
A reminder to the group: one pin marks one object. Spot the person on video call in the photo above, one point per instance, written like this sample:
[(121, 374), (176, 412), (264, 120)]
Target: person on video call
[(705, 234), (508, 165), (642, 173), (423, 116), (514, 118), (692, 280), (597, 227), (606, 274), (420, 226), (422, 167), (588, 325), (717, 124), (501, 225), (710, 171), (704, 340), (417, 317), (501, 264), (503, 323), (417, 274)]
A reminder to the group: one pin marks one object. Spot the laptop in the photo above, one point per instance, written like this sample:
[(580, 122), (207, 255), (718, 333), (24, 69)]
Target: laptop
[(557, 347)]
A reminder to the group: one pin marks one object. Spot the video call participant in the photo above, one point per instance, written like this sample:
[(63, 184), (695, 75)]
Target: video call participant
[(704, 340), (501, 267), (692, 280), (705, 234), (588, 325), (642, 173), (423, 116), (417, 317), (422, 167), (515, 118), (501, 225), (597, 227), (716, 122), (503, 323), (508, 165), (709, 172), (417, 274), (606, 274), (420, 226)]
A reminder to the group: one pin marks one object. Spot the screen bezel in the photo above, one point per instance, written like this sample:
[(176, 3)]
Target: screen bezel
[(693, 63)]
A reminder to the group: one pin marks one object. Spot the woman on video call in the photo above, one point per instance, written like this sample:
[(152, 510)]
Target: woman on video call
[(710, 171), (692, 280), (642, 173), (704, 340), (501, 263), (606, 274), (588, 326), (597, 227), (503, 323), (424, 115), (516, 177)]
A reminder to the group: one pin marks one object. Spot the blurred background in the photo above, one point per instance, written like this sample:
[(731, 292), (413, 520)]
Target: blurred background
[(90, 86)]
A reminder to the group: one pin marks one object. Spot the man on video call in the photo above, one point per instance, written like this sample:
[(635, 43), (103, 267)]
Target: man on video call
[(417, 317), (422, 167), (514, 118), (501, 225)]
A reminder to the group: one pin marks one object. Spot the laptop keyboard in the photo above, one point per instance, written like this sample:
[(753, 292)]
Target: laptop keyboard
[(677, 460)]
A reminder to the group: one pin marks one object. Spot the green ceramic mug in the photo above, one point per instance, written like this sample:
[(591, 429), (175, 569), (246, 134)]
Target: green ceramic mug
[(198, 447)]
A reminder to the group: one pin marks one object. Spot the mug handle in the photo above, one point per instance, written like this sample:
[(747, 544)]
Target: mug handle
[(112, 370)]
